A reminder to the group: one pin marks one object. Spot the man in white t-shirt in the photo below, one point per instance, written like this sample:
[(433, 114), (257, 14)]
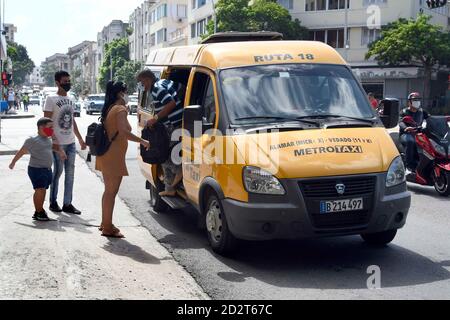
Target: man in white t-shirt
[(60, 108)]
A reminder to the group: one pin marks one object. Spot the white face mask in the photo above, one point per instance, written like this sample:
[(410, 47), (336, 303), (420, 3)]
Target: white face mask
[(126, 98), (140, 87), (416, 104)]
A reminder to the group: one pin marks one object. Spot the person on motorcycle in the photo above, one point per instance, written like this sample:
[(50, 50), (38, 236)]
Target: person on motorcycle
[(408, 130)]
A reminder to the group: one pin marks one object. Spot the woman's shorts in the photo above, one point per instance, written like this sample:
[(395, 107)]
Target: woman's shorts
[(41, 178)]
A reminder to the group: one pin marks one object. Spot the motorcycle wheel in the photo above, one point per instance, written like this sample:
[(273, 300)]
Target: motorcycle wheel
[(442, 184)]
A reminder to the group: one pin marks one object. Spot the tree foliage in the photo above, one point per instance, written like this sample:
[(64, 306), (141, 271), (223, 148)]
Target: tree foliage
[(48, 73), (117, 53), (127, 74), (413, 41), (260, 15), (22, 65)]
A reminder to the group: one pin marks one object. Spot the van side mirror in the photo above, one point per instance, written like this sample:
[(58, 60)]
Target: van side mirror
[(391, 113)]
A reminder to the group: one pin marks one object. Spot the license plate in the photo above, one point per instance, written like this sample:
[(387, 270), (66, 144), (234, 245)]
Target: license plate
[(341, 206)]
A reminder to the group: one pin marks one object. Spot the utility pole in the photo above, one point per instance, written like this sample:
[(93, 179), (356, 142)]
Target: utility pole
[(346, 42), (215, 16)]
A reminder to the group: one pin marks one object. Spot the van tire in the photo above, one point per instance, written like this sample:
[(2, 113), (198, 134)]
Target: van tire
[(380, 238), (157, 203), (220, 237)]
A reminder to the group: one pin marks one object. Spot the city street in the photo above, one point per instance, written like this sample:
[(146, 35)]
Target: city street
[(77, 262)]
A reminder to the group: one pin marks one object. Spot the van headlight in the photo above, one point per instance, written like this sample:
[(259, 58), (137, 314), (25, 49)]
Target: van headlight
[(259, 181), (396, 174)]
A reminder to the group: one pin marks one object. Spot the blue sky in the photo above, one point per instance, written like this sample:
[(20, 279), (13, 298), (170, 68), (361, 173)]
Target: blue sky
[(46, 27)]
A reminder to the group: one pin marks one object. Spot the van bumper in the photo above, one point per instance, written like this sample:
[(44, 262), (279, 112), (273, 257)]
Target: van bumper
[(295, 216)]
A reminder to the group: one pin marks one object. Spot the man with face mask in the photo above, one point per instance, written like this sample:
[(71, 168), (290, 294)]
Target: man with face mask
[(60, 108), (407, 130)]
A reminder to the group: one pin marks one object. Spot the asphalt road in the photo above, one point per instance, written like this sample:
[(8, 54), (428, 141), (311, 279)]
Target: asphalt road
[(415, 266)]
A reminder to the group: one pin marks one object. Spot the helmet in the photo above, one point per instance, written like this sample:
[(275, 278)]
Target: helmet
[(414, 96)]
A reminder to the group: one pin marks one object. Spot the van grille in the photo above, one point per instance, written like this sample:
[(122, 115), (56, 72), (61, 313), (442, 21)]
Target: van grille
[(323, 190)]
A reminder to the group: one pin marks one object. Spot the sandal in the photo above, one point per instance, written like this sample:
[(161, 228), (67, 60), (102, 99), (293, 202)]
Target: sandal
[(115, 235), (115, 229)]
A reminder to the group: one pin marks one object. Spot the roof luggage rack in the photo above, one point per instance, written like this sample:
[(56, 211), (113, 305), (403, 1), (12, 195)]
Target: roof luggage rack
[(234, 36)]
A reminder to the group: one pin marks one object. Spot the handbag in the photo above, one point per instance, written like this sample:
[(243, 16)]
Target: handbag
[(159, 139)]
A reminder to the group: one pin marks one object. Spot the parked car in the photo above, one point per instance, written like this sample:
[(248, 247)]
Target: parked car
[(77, 112), (35, 100), (133, 105), (95, 103)]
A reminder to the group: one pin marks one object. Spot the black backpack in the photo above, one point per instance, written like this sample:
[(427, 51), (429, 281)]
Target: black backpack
[(97, 139), (159, 139)]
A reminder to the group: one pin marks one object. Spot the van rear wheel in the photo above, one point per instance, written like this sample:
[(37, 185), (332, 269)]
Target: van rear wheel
[(157, 203), (220, 238), (380, 238)]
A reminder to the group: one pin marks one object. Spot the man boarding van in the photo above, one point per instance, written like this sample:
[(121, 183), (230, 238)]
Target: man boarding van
[(279, 141)]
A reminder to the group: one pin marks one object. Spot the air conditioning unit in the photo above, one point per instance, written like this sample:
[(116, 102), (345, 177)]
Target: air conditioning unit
[(180, 19)]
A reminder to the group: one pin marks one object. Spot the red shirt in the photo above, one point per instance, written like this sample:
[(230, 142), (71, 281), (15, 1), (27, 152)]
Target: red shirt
[(374, 103)]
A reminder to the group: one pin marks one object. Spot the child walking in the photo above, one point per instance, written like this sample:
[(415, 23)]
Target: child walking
[(40, 166)]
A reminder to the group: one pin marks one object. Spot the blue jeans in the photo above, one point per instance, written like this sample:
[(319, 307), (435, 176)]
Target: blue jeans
[(69, 167), (412, 157)]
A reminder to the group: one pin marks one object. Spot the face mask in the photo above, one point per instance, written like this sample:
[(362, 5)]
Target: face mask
[(416, 104), (66, 87), (140, 86), (49, 132), (126, 98)]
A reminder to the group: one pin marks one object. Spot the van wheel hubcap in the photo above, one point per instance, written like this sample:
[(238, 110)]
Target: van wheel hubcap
[(214, 221)]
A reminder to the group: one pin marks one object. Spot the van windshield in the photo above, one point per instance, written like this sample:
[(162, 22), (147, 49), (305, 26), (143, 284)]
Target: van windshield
[(265, 93)]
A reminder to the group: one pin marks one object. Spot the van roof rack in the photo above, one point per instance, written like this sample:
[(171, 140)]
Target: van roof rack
[(234, 36)]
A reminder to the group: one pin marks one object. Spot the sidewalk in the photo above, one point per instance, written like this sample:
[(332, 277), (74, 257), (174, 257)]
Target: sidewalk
[(68, 258)]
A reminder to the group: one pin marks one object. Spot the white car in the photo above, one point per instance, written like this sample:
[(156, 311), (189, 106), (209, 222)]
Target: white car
[(133, 104)]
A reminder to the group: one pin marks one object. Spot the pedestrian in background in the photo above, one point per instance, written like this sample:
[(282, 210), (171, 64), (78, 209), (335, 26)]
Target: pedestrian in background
[(26, 102), (60, 108), (373, 101), (11, 100), (40, 166), (112, 164)]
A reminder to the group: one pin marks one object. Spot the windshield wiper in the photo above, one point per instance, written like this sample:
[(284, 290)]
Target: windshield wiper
[(280, 118), (326, 116)]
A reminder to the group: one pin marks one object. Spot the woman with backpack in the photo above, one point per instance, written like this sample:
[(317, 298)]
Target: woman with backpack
[(112, 163)]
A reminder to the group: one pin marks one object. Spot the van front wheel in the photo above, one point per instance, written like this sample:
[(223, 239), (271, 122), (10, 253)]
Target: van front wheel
[(220, 237), (380, 238)]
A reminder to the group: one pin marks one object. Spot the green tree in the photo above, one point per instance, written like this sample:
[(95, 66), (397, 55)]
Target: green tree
[(48, 73), (22, 65), (261, 15), (413, 41), (118, 53), (127, 74), (268, 15), (79, 85)]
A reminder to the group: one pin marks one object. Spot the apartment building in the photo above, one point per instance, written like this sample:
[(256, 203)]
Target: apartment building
[(35, 78), (201, 12), (157, 24), (115, 30), (329, 20), (83, 60), (10, 31), (60, 60)]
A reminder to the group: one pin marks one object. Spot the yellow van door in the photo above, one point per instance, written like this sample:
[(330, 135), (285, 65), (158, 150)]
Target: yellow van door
[(197, 164)]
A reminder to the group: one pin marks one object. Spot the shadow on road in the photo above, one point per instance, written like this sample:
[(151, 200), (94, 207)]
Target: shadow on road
[(123, 248), (62, 223), (331, 263), (427, 191)]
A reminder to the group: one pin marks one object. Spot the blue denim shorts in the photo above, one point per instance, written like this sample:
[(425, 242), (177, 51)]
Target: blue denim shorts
[(41, 178)]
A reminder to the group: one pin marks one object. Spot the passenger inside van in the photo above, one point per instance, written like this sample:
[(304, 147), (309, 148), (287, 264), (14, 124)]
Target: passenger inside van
[(167, 106)]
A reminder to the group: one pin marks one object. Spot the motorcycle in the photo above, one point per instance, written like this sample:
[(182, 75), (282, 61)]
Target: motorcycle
[(433, 146)]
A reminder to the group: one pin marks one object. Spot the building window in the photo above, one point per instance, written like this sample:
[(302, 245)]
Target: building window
[(201, 27), (369, 35), (333, 37), (367, 3), (320, 5), (181, 11), (194, 4), (288, 4), (201, 3), (152, 39), (161, 12), (193, 30), (161, 36), (153, 17)]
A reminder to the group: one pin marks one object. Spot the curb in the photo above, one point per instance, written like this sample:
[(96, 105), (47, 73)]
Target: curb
[(6, 117), (8, 153)]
